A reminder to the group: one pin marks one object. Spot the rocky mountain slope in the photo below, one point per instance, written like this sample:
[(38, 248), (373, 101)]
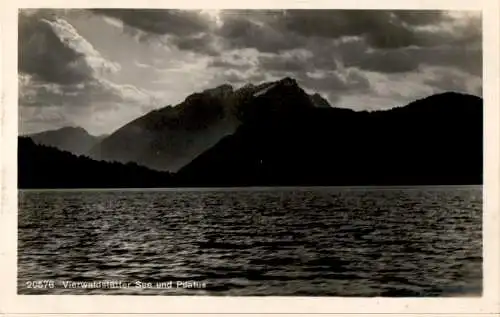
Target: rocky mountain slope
[(169, 138)]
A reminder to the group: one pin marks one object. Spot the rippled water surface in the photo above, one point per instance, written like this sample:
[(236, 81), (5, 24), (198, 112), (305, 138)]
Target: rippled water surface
[(302, 241)]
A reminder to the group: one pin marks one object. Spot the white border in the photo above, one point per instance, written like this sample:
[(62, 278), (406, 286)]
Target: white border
[(11, 303)]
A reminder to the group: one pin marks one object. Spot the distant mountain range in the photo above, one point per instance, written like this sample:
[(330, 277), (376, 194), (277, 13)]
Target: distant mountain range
[(277, 134), (72, 139)]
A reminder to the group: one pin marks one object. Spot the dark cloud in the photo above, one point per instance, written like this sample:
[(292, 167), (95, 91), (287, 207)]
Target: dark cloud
[(381, 28), (52, 50), (161, 22), (421, 17), (378, 40), (241, 29), (389, 41), (281, 30), (469, 60), (298, 62), (358, 53), (220, 62), (385, 61), (42, 53), (391, 36), (189, 30), (236, 59), (202, 43), (469, 33), (332, 23)]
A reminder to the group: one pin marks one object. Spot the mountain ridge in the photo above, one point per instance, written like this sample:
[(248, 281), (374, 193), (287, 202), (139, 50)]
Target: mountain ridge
[(284, 134), (171, 138), (74, 139), (285, 140)]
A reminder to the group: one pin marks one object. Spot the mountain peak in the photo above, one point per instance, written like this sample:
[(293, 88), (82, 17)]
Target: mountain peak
[(288, 81), (74, 129), (72, 139), (220, 91), (67, 129), (248, 86), (448, 99)]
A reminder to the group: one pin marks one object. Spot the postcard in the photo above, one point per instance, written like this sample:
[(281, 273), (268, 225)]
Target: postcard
[(284, 158)]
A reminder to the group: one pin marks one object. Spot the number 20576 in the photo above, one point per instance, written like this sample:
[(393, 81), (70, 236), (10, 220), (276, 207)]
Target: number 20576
[(40, 284)]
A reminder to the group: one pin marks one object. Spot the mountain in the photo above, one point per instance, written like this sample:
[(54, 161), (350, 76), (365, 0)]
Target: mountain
[(286, 139), (41, 166), (168, 138), (73, 139)]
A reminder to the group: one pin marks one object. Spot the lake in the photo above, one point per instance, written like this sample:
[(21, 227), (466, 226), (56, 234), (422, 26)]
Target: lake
[(422, 241)]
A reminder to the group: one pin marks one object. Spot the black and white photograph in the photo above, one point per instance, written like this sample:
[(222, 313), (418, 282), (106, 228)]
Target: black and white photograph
[(250, 152)]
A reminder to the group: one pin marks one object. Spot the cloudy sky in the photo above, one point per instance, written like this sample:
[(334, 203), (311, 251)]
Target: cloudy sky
[(99, 69)]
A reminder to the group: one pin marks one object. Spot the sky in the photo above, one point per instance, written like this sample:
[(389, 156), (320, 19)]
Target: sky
[(99, 69)]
